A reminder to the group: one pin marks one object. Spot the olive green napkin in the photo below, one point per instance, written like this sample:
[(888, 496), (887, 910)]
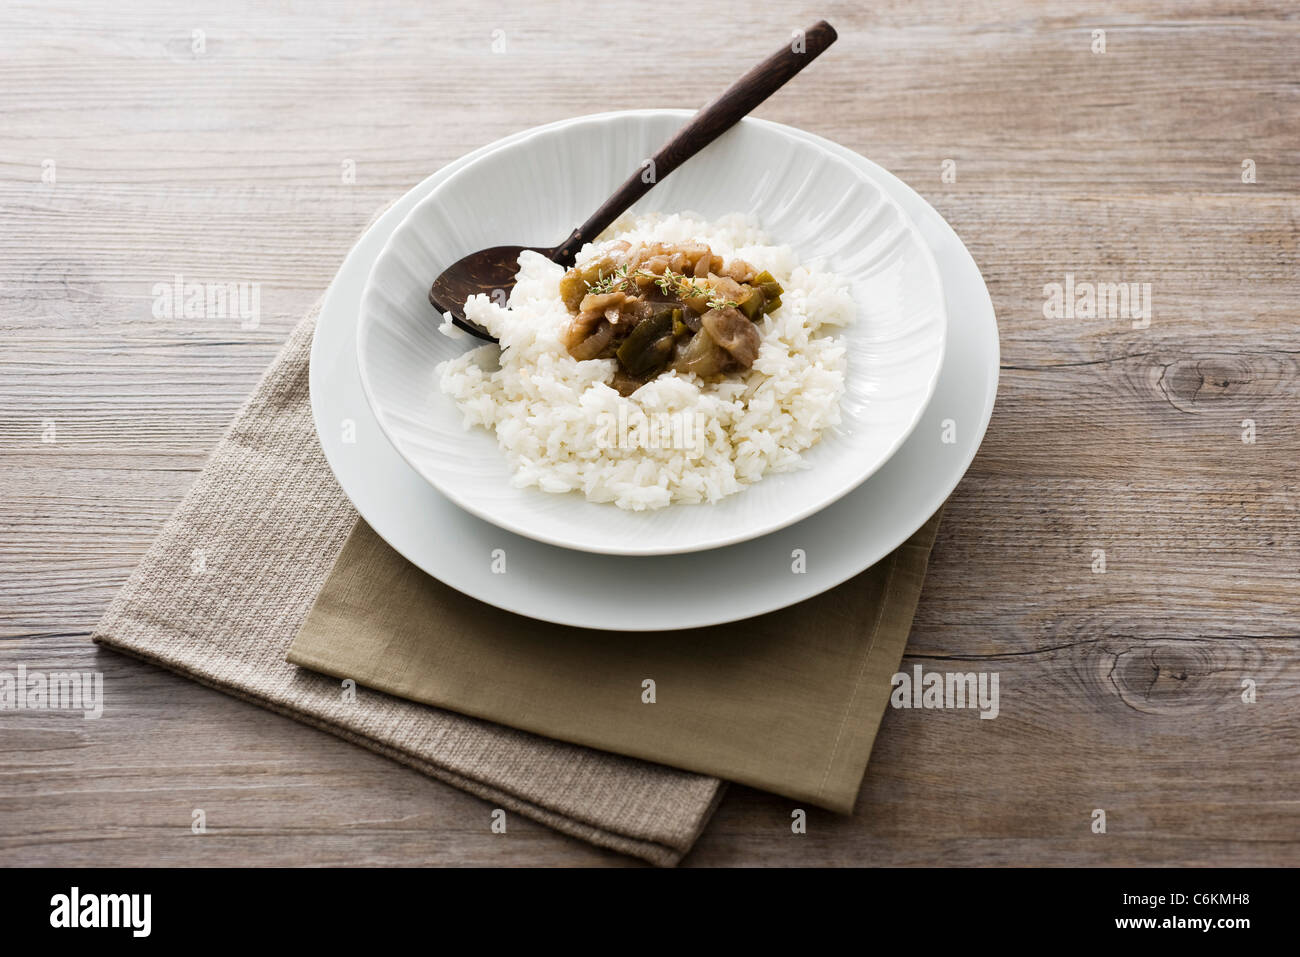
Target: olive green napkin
[(787, 702)]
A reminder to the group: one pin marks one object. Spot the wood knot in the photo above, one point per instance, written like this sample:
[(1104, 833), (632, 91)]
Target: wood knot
[(1199, 380), (1167, 677)]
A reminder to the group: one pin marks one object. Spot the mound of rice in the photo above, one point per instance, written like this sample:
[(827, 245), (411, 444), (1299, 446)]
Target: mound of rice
[(563, 428)]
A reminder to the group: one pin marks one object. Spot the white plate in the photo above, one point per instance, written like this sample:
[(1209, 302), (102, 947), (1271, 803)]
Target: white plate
[(532, 191), (580, 589)]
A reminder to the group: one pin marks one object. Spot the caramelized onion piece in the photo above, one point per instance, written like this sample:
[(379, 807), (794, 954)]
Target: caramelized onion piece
[(601, 301), (698, 305), (580, 328), (739, 270), (593, 344), (726, 288), (729, 328)]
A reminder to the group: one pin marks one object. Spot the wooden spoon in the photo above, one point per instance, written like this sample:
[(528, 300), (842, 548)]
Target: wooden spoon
[(492, 271)]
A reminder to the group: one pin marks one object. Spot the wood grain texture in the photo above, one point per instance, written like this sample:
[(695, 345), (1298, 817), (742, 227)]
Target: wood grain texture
[(1119, 690)]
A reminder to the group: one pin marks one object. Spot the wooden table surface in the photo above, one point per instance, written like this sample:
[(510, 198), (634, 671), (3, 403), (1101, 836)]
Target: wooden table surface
[(135, 149)]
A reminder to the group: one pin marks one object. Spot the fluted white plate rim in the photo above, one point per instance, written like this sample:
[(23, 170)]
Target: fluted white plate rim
[(558, 585), (466, 465)]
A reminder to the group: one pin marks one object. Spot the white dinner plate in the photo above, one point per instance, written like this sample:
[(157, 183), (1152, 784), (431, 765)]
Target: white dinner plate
[(826, 207), (666, 592)]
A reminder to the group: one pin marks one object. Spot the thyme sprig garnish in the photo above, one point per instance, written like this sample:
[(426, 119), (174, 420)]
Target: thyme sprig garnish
[(671, 283), (620, 278), (603, 285)]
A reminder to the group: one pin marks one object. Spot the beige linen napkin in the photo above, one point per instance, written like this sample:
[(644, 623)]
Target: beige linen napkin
[(225, 587)]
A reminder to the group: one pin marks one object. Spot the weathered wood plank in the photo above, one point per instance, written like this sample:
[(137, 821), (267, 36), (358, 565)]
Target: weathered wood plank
[(1120, 689)]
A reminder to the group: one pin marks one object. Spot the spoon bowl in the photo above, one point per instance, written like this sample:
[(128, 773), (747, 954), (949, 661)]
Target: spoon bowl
[(489, 272)]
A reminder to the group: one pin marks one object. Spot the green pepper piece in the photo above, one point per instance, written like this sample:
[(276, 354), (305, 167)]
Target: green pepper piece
[(752, 304), (772, 305), (649, 344), (572, 289)]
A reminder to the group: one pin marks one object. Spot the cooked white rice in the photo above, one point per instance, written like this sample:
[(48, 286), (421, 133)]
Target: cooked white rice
[(677, 439)]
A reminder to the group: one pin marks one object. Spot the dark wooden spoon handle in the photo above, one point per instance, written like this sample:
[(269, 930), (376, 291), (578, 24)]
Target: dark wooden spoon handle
[(705, 127)]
